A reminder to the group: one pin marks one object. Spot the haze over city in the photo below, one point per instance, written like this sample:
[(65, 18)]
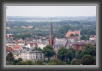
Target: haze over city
[(51, 11)]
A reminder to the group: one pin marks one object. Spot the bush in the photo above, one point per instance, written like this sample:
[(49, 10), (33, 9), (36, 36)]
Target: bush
[(75, 62), (87, 60)]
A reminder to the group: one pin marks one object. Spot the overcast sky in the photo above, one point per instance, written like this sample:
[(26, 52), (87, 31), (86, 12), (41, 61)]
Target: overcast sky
[(51, 11)]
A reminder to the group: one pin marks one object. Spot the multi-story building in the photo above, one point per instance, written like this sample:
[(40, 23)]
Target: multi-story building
[(32, 55)]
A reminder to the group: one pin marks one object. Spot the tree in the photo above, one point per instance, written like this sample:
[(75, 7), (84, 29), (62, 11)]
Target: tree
[(84, 32), (48, 51), (83, 37), (10, 58), (39, 62), (91, 50), (75, 62), (63, 53), (66, 54), (63, 29), (72, 53), (17, 61), (78, 54), (94, 60), (37, 48), (87, 60), (28, 62), (91, 32), (56, 62)]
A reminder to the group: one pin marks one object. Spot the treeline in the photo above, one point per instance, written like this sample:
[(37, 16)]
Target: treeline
[(87, 56), (50, 18), (60, 28)]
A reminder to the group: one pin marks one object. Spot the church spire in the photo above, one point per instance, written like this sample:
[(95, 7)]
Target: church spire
[(51, 34), (51, 31)]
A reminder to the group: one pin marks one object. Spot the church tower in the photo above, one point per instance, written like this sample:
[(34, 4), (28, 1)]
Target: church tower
[(51, 41)]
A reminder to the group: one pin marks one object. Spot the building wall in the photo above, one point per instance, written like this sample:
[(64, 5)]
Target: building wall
[(77, 47), (32, 56)]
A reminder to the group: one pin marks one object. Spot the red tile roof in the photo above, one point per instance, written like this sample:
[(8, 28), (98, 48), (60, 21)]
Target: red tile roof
[(71, 32), (8, 49), (16, 47), (93, 36), (33, 44)]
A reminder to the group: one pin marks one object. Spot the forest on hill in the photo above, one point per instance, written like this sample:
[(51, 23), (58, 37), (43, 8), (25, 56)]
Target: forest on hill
[(86, 25)]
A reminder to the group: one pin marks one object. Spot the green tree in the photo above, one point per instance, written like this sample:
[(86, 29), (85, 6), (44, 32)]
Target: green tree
[(39, 62), (91, 32), (87, 60), (37, 48), (78, 54), (75, 62), (94, 57), (62, 53), (28, 62), (72, 52), (63, 29), (83, 37), (17, 61), (90, 49), (48, 51), (10, 58), (56, 62), (66, 54)]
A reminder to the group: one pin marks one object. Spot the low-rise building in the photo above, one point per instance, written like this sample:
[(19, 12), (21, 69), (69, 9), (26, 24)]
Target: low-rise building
[(92, 37), (78, 45), (16, 47), (8, 49)]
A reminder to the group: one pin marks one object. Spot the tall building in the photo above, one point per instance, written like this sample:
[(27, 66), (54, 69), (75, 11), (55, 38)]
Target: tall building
[(51, 40)]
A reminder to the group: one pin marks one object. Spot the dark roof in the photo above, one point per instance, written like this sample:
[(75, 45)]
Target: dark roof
[(79, 44), (60, 43)]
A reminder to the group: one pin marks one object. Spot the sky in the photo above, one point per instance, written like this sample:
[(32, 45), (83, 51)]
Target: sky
[(51, 11)]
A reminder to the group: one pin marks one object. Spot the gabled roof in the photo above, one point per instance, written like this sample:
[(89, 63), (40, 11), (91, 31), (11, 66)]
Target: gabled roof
[(16, 47), (79, 44), (60, 42), (71, 32), (33, 44), (8, 49), (94, 36), (68, 33)]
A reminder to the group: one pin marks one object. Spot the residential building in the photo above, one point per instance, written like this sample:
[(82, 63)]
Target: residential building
[(92, 37), (78, 45), (32, 55)]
